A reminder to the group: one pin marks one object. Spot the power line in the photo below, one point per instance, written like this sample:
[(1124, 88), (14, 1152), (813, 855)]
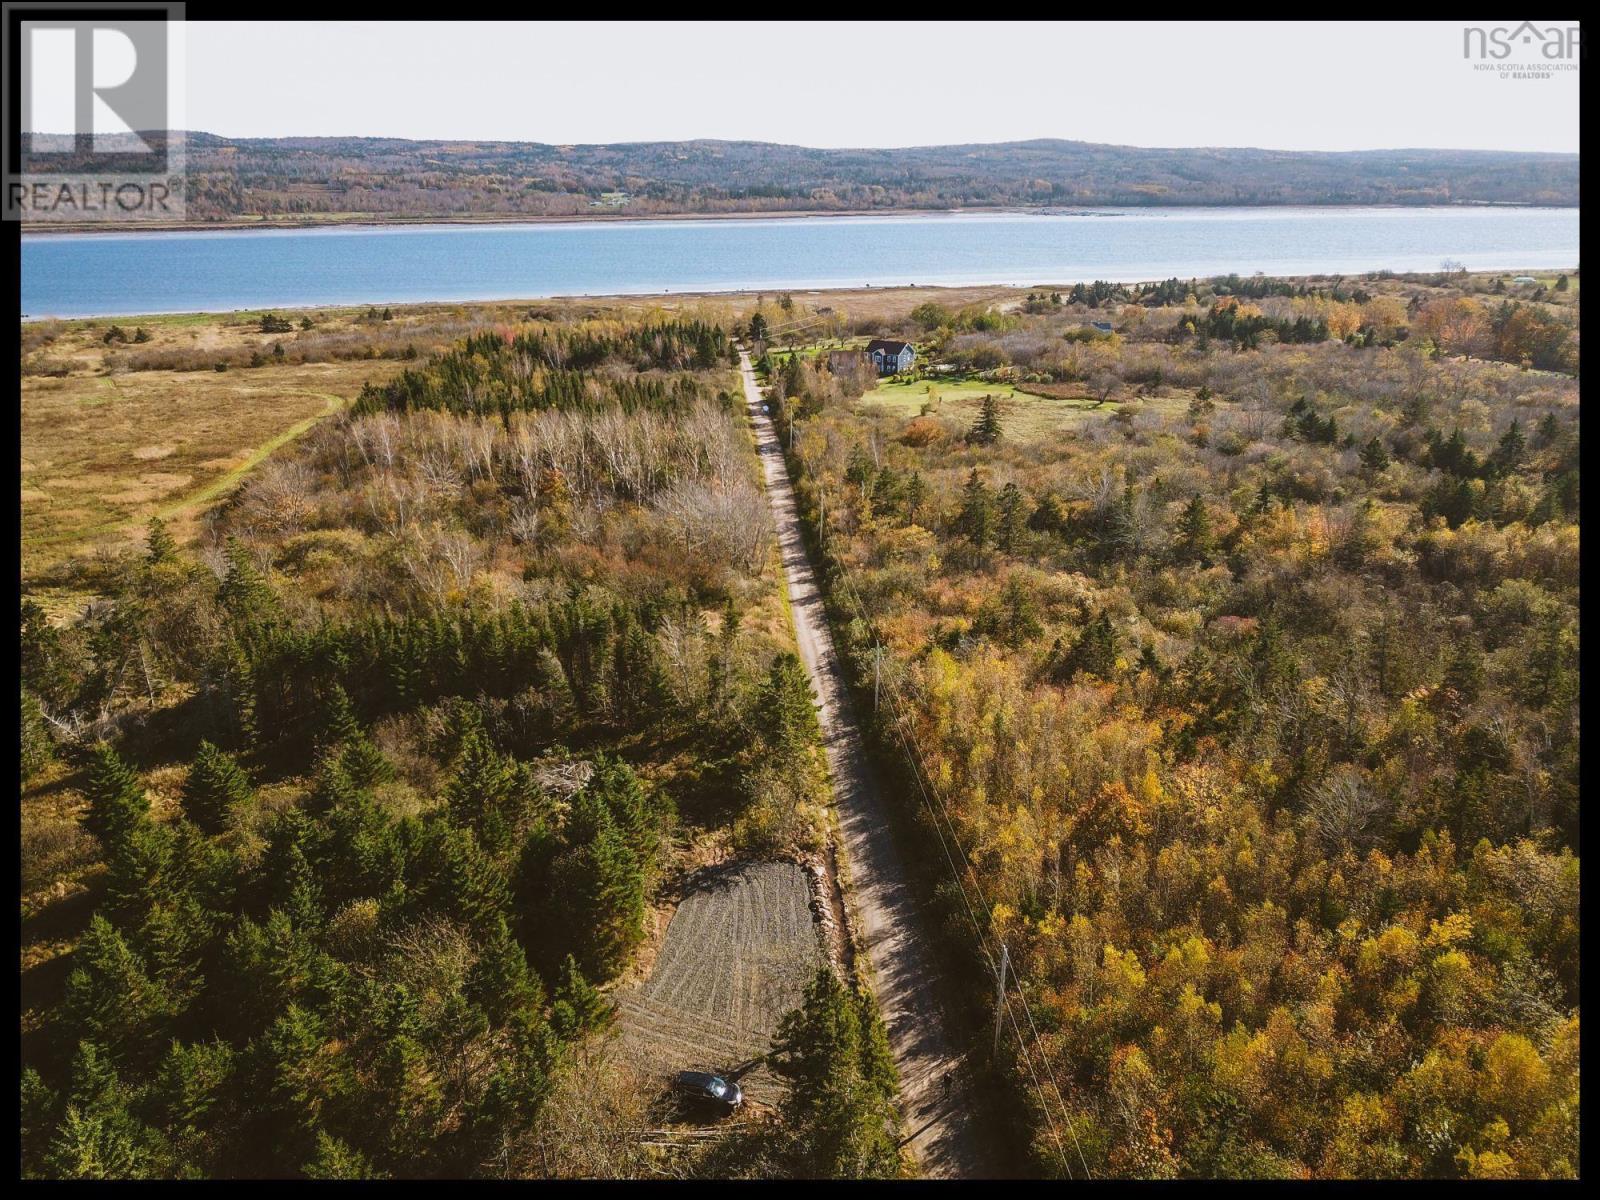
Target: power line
[(977, 927), (918, 772)]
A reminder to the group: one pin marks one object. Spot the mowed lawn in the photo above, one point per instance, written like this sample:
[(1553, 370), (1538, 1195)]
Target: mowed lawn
[(1024, 417), (103, 453), (780, 354)]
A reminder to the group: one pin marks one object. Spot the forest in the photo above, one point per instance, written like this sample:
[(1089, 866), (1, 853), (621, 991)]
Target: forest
[(1238, 702), (341, 819), (392, 178), (1218, 641)]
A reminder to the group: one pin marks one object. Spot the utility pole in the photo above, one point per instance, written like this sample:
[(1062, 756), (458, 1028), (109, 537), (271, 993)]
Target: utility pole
[(1000, 995), (877, 673)]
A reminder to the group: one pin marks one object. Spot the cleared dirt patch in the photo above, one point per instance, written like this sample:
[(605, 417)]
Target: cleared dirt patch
[(737, 956)]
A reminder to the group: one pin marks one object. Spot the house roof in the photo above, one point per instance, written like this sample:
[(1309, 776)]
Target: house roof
[(887, 346)]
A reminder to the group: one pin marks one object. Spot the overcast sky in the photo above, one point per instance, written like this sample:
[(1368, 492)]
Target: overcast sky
[(1293, 86)]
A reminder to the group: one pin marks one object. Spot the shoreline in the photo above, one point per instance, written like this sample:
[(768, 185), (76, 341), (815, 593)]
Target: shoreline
[(379, 221), (727, 295)]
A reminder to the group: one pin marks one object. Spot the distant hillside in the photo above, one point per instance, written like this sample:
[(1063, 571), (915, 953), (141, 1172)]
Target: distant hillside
[(233, 178)]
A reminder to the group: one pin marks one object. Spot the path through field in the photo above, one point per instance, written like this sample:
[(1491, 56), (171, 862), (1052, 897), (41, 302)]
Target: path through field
[(889, 918)]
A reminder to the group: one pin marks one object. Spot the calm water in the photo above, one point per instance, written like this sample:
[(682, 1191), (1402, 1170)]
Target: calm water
[(125, 274)]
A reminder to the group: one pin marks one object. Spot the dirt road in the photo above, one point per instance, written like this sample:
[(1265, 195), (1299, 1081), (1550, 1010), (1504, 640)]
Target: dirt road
[(890, 920)]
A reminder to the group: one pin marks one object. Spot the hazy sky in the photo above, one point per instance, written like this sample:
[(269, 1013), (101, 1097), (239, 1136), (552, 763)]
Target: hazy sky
[(1286, 86)]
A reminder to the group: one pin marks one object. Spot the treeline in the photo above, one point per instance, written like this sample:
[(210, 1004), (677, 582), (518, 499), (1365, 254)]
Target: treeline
[(588, 659), (1225, 320), (554, 368), (1448, 316), (286, 177)]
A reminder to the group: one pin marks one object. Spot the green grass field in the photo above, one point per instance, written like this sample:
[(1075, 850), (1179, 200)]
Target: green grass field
[(779, 355), (1025, 417)]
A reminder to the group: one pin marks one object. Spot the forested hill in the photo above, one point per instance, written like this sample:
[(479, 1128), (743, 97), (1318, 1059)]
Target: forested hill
[(399, 178)]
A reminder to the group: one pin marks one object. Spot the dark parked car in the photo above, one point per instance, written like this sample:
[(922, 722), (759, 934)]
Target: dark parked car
[(712, 1090)]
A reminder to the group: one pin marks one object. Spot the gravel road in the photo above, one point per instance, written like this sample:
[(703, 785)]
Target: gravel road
[(890, 920)]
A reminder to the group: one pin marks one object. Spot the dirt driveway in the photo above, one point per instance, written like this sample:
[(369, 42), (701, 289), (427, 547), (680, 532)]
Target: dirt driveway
[(889, 920)]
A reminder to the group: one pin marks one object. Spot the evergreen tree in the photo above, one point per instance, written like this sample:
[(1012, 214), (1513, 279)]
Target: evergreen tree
[(1127, 535), (1509, 450), (47, 667), (594, 903), (292, 885), (303, 1081), (214, 788), (1374, 456), (190, 1097), (1049, 515), (455, 877), (39, 1111), (1361, 541), (334, 791), (720, 664), (99, 1137), (986, 429), (335, 1159), (838, 1110), (37, 749), (244, 593), (786, 713), (363, 763), (1264, 498), (160, 544), (859, 469), (110, 998), (1096, 650), (520, 1081), (1549, 431), (639, 686), (976, 518), (1195, 542), (117, 800), (1016, 619), (1464, 674), (1012, 522), (916, 495), (500, 982), (578, 1009), (635, 815), (479, 791), (339, 723), (140, 872), (238, 686)]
